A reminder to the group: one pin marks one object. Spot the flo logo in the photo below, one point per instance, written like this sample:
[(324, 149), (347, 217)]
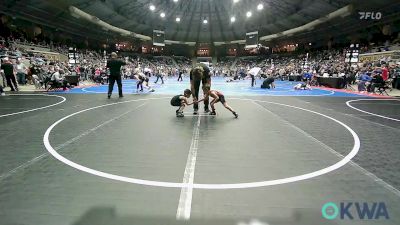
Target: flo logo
[(370, 15), (355, 210)]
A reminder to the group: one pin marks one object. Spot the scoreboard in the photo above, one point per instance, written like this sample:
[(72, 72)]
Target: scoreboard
[(73, 57), (252, 39), (158, 38), (353, 54)]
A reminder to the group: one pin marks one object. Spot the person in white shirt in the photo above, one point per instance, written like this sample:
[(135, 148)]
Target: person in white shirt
[(253, 72), (58, 78), (21, 72)]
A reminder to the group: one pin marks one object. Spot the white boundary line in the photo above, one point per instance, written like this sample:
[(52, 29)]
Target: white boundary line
[(198, 115), (370, 121), (105, 92), (355, 165), (306, 176), (373, 114), (63, 145), (23, 166), (185, 199), (35, 109)]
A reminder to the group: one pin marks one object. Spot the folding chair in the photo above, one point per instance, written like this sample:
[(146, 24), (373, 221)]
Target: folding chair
[(387, 86)]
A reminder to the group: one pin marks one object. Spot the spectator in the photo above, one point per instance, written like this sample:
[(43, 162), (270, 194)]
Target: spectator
[(307, 76), (376, 82), (365, 80), (385, 73), (8, 68), (21, 72), (58, 79)]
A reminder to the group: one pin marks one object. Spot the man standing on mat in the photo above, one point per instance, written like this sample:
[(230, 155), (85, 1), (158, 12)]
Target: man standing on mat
[(115, 65), (253, 72), (200, 73)]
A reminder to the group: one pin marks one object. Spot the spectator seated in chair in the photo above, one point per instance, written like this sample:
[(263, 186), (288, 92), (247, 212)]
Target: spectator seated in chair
[(57, 80), (98, 79), (387, 85), (36, 81), (97, 76), (376, 82), (364, 81)]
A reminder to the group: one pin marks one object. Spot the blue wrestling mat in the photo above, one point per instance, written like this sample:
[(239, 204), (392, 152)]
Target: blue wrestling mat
[(235, 88)]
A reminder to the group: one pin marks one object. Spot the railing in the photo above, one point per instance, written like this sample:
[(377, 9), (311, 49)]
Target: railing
[(29, 46)]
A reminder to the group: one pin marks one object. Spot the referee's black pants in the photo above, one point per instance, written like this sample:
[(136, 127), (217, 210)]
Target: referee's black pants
[(196, 95), (252, 80), (112, 80)]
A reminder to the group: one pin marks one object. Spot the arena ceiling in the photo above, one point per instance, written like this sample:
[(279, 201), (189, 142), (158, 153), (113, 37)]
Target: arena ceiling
[(276, 16), (137, 16)]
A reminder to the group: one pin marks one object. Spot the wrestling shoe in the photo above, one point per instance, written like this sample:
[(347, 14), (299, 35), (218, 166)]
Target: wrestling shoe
[(235, 114), (195, 112), (152, 90), (206, 110), (109, 96), (213, 113), (179, 114), (121, 96), (3, 94)]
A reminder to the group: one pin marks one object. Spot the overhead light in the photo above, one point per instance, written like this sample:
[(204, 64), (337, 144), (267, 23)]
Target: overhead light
[(178, 19), (162, 15), (235, 1), (152, 7), (205, 21), (175, 0), (260, 6), (233, 19), (248, 14)]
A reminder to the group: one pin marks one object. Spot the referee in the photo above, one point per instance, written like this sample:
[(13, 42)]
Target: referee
[(200, 74), (115, 65)]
